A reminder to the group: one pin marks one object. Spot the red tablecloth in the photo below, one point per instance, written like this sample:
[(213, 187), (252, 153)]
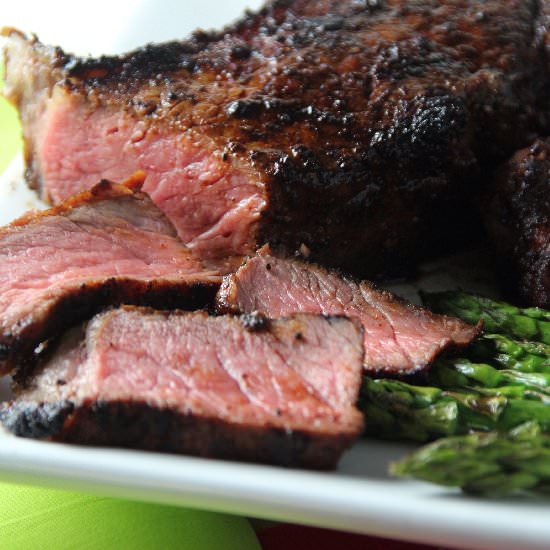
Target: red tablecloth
[(295, 537)]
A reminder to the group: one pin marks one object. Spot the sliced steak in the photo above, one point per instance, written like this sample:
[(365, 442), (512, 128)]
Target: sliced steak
[(355, 128), (399, 338), (518, 221), (281, 392), (106, 246)]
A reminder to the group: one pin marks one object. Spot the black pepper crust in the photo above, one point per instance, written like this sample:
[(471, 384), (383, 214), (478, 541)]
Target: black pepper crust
[(137, 425), (369, 122)]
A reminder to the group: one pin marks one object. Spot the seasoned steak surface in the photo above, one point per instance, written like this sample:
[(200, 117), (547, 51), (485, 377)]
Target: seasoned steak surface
[(360, 127)]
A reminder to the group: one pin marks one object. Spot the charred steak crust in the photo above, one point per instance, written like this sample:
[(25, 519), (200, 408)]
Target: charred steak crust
[(399, 337), (363, 125), (64, 294), (518, 221), (35, 420), (138, 425)]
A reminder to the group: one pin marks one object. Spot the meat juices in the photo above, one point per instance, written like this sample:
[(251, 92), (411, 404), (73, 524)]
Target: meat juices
[(281, 392), (399, 338), (356, 129), (104, 247)]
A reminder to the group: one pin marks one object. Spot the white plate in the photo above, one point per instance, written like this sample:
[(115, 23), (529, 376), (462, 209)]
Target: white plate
[(359, 496)]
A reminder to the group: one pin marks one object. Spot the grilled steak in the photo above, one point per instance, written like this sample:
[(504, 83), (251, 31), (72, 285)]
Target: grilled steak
[(399, 338), (354, 128), (518, 220), (280, 392), (106, 246)]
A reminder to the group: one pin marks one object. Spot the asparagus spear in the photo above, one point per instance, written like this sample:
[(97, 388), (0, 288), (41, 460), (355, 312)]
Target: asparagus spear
[(484, 463), (500, 317), (397, 410), (506, 353), (462, 373)]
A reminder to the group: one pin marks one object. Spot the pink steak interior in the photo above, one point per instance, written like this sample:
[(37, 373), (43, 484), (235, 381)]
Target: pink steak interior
[(214, 205)]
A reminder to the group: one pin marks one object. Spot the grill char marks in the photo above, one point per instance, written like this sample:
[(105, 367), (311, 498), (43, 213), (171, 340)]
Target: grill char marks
[(352, 129), (399, 338), (106, 246), (518, 221), (210, 386)]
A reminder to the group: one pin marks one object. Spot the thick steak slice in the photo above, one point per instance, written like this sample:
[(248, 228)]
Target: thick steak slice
[(399, 338), (518, 221), (106, 246), (281, 392), (353, 128)]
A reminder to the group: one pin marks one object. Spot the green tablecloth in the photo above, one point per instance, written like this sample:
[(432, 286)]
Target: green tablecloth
[(43, 519), (10, 141)]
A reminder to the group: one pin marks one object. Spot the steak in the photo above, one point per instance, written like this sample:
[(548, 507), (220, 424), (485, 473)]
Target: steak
[(518, 221), (399, 338), (106, 246), (280, 392), (354, 129)]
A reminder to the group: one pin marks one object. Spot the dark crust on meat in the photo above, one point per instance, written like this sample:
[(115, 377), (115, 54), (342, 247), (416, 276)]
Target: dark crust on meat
[(367, 121), (140, 426), (518, 220)]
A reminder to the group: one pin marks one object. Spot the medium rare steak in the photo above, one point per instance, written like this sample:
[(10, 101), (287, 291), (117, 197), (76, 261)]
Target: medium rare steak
[(399, 338), (354, 128), (106, 246), (518, 221), (281, 392)]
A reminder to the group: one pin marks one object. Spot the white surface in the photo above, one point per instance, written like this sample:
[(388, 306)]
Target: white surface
[(359, 497), (107, 26)]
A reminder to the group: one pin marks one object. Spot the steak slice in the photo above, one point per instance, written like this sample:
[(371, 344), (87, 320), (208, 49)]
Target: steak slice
[(399, 338), (106, 246), (354, 128), (518, 221), (281, 392)]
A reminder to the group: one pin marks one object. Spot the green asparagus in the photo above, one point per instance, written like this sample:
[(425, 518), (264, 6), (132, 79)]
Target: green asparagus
[(493, 464), (506, 353), (462, 373), (397, 410), (491, 407), (500, 317)]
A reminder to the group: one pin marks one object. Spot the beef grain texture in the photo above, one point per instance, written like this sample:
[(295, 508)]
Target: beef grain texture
[(281, 393), (518, 221), (352, 129), (106, 246), (399, 338)]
